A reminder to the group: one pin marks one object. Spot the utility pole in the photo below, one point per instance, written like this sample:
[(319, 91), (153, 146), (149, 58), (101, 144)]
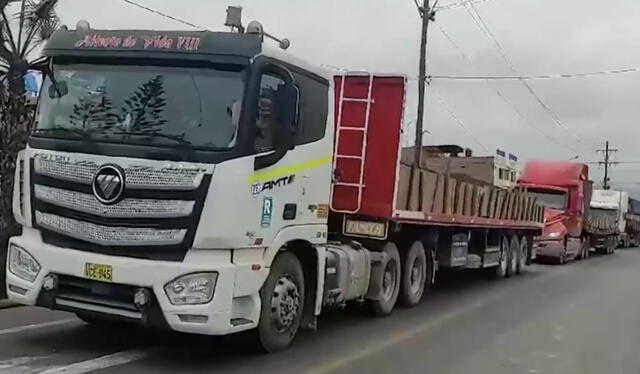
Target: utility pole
[(428, 14), (607, 162)]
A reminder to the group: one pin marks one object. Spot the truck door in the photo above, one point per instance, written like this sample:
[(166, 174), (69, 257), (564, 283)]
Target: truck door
[(291, 181), (282, 176)]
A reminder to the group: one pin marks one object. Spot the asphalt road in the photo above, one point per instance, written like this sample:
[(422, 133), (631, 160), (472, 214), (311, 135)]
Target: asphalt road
[(579, 318)]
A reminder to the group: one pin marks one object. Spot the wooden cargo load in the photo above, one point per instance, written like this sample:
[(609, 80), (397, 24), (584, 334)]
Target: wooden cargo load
[(437, 194)]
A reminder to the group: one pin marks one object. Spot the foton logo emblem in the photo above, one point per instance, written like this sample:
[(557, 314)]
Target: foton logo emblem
[(108, 184)]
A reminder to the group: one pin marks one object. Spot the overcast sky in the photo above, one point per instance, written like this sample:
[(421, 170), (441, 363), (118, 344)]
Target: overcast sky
[(540, 37)]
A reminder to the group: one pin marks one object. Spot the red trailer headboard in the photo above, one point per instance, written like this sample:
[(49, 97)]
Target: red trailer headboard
[(369, 115)]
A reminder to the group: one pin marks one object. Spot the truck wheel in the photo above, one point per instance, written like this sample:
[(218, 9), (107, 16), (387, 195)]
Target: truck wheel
[(414, 275), (512, 259), (389, 280), (522, 255), (282, 298), (585, 249), (501, 270)]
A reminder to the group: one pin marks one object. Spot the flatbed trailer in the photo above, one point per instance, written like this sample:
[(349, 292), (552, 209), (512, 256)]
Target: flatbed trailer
[(461, 224)]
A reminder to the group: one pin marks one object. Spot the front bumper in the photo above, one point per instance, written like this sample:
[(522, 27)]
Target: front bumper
[(549, 248), (223, 315)]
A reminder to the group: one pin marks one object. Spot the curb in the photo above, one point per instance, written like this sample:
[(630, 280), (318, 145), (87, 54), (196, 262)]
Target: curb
[(5, 304)]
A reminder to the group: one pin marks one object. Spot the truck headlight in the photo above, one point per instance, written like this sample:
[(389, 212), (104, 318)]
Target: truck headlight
[(554, 235), (192, 289), (22, 264)]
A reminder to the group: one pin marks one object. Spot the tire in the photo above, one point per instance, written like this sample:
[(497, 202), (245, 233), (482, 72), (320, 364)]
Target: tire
[(512, 259), (501, 269), (389, 278), (414, 275), (586, 249), (561, 259), (282, 299), (522, 255)]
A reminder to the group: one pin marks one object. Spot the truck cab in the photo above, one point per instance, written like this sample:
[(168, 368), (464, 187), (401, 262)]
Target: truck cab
[(165, 171), (562, 187)]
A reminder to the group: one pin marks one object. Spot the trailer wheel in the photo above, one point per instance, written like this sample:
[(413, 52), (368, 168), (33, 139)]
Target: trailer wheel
[(282, 298), (389, 280), (522, 255), (512, 258), (414, 275), (585, 249), (501, 270)]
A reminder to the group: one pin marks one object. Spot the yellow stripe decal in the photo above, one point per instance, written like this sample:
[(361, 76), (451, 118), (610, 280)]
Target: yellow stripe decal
[(288, 170)]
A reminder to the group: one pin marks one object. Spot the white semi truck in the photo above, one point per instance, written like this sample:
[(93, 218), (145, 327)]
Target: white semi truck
[(615, 206), (206, 183)]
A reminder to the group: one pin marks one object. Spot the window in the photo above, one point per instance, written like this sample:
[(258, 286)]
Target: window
[(312, 110), (503, 174), (268, 89), (143, 105), (313, 107), (551, 198)]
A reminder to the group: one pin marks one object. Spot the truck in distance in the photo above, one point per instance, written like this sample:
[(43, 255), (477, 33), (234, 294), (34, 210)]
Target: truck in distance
[(564, 189), (607, 220), (207, 183)]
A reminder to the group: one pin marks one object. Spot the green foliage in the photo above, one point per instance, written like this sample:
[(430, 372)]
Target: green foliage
[(34, 22), (146, 106)]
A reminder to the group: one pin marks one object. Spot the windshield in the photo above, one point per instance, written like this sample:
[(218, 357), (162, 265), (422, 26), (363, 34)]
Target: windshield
[(142, 105), (551, 199)]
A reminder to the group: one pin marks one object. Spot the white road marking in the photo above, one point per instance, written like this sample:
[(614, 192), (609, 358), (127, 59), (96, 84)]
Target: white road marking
[(104, 362), (36, 326), (18, 361)]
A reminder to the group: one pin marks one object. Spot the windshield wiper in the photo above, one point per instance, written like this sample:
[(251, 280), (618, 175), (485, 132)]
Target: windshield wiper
[(84, 134), (175, 138)]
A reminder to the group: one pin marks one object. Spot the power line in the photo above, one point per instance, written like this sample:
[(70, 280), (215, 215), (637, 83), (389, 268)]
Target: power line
[(606, 152), (482, 25), (165, 15), (458, 121), (539, 77), (459, 4), (526, 120)]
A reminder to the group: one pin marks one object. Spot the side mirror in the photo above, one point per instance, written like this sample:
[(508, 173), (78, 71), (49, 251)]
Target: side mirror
[(58, 90), (284, 127)]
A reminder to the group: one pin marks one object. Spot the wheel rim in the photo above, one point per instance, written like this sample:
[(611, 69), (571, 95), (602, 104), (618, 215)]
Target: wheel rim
[(285, 304), (417, 274), (504, 264), (523, 256), (389, 280)]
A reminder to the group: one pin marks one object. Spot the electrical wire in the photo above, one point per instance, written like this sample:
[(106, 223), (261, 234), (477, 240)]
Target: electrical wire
[(459, 4), (165, 15), (482, 25), (540, 77), (458, 121), (524, 118)]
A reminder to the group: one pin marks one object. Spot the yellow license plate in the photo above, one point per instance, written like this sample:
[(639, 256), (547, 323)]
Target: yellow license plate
[(98, 272), (365, 229)]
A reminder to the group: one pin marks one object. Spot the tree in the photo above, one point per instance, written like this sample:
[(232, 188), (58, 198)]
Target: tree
[(146, 106), (20, 34)]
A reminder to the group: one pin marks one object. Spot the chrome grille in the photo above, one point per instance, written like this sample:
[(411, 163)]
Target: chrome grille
[(127, 208), (106, 235), (136, 177)]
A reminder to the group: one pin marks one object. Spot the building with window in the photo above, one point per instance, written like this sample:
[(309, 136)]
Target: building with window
[(500, 170)]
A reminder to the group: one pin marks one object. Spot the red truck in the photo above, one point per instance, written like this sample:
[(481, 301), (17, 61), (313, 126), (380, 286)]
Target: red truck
[(563, 187)]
